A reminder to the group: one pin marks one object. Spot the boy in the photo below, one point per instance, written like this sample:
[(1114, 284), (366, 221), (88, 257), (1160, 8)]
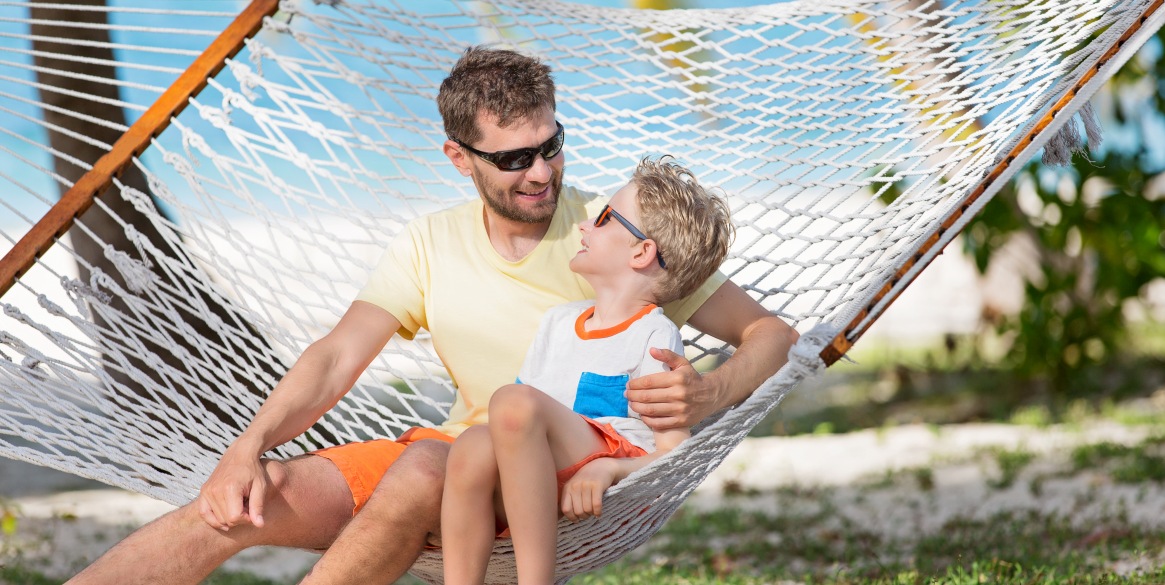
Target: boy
[(500, 474)]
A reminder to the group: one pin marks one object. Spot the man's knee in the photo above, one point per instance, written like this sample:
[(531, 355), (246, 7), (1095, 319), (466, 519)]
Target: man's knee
[(420, 469), (276, 473), (514, 408)]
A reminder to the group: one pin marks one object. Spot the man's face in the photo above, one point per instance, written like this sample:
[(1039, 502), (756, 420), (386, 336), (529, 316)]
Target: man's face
[(528, 195)]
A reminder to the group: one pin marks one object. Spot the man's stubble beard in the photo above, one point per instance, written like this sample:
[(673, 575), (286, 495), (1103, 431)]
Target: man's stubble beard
[(501, 201)]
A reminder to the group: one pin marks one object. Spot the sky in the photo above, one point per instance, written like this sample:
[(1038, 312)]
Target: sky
[(30, 193)]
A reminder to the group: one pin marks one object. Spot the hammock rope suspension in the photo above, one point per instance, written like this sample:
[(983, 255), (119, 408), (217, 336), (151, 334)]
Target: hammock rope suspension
[(272, 155)]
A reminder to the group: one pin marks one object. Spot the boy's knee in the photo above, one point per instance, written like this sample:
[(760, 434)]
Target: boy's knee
[(471, 461), (514, 408)]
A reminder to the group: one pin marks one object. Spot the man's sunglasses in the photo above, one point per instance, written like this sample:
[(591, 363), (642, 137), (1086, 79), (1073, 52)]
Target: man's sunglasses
[(605, 215), (522, 158)]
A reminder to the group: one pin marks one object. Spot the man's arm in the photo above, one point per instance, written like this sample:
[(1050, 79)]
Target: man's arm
[(683, 397), (325, 371)]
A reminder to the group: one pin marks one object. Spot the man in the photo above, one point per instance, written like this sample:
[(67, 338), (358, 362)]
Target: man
[(478, 277)]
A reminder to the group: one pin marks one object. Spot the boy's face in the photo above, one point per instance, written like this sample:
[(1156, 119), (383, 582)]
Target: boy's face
[(607, 250)]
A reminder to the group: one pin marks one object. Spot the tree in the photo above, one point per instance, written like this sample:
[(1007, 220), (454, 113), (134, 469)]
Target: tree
[(1098, 233), (76, 93)]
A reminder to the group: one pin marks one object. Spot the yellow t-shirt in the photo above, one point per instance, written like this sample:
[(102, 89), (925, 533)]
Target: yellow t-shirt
[(442, 273)]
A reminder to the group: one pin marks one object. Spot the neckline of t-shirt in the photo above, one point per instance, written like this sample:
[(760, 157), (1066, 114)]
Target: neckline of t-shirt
[(580, 323), (487, 245)]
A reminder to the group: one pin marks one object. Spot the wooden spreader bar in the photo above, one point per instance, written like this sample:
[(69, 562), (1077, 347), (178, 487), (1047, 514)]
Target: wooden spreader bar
[(80, 197), (842, 342)]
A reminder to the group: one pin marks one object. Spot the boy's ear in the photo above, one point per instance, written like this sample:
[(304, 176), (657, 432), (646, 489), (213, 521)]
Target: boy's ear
[(644, 256), (457, 157)]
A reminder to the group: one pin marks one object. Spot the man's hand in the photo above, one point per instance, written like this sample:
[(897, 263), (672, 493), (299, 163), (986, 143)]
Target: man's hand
[(234, 493), (675, 399), (582, 496)]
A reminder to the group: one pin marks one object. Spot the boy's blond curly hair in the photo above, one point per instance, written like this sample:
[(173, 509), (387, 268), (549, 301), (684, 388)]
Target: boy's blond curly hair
[(690, 225)]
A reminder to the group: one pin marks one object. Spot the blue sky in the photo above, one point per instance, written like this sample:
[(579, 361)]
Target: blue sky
[(34, 191)]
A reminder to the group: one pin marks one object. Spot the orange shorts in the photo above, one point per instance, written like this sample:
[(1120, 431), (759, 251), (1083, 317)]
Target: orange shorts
[(614, 446), (363, 464)]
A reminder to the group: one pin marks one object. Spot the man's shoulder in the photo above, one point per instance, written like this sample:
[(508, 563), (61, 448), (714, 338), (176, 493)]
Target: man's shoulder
[(581, 198), (458, 212), (456, 220)]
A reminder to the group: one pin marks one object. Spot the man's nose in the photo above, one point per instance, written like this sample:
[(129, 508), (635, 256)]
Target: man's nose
[(540, 171)]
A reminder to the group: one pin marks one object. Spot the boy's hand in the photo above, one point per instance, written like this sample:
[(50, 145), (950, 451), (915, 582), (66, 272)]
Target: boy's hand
[(582, 496), (675, 399)]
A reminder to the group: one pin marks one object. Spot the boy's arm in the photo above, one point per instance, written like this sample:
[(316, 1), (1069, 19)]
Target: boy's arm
[(683, 397), (582, 496), (325, 371)]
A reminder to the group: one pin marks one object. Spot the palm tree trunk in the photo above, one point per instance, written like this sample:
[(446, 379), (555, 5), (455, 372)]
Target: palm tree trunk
[(65, 93)]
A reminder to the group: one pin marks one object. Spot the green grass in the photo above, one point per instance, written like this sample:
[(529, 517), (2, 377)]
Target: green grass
[(1010, 463), (19, 575), (1142, 462), (731, 546), (910, 388)]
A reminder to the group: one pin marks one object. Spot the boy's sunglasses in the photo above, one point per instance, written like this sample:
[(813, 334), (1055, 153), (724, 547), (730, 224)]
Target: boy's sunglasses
[(605, 215), (522, 158)]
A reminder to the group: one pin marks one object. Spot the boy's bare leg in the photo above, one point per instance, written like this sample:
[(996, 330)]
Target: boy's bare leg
[(308, 505), (388, 534), (468, 507), (534, 435)]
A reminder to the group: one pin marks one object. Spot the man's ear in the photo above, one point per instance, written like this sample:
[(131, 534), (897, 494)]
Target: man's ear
[(457, 157), (644, 256)]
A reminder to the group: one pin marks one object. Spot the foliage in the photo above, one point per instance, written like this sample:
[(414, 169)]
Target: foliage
[(1098, 233)]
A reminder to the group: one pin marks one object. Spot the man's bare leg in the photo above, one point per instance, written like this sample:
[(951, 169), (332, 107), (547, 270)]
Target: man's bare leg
[(386, 537), (308, 505)]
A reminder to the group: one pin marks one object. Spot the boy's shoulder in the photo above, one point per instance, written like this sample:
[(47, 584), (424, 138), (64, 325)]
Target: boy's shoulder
[(657, 319)]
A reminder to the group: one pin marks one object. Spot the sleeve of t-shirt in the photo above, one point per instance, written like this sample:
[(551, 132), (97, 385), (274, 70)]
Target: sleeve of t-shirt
[(395, 285), (680, 310), (662, 338)]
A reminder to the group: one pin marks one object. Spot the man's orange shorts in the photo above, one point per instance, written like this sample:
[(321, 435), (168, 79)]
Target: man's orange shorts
[(363, 464)]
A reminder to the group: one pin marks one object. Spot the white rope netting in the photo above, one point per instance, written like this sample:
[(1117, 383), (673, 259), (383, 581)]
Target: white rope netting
[(845, 133)]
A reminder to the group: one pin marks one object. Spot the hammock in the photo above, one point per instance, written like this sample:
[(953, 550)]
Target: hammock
[(275, 152)]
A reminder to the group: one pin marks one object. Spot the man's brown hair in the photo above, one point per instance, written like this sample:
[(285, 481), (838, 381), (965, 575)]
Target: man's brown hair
[(504, 84), (690, 225)]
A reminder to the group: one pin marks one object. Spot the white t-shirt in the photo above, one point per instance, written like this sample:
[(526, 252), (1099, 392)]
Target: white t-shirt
[(442, 274), (588, 371)]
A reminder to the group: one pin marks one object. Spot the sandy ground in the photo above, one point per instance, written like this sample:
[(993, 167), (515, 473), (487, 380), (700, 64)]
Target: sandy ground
[(61, 532)]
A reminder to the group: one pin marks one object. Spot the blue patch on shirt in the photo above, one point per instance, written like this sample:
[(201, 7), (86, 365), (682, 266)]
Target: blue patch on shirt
[(600, 396)]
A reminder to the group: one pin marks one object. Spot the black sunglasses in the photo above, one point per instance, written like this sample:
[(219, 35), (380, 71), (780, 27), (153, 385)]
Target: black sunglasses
[(605, 215), (522, 158)]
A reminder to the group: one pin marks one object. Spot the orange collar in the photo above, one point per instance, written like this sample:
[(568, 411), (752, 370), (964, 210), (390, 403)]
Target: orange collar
[(582, 333)]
